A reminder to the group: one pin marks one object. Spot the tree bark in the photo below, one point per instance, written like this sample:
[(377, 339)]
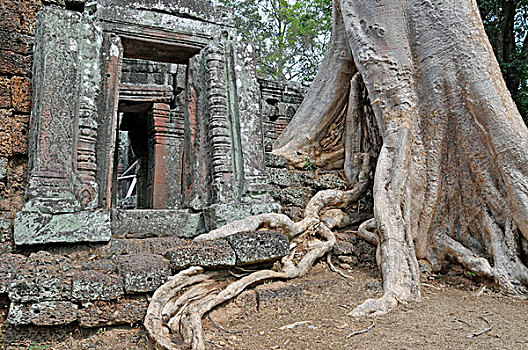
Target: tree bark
[(325, 103), (451, 180)]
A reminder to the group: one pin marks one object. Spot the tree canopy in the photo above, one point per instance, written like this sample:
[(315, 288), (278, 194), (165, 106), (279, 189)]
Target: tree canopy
[(290, 36)]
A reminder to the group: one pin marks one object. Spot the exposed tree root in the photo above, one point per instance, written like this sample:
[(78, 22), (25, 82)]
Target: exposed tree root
[(270, 221), (186, 310), (178, 306), (336, 270), (367, 233)]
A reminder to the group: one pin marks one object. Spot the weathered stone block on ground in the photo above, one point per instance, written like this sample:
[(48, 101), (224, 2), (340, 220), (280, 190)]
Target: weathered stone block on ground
[(42, 278), (156, 223), (142, 272), (259, 246), (92, 285), (343, 248), (9, 266), (206, 254), (363, 252), (270, 295), (126, 311), (46, 313)]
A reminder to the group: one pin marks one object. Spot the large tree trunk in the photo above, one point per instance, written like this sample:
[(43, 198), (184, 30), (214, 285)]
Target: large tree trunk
[(325, 107), (451, 180)]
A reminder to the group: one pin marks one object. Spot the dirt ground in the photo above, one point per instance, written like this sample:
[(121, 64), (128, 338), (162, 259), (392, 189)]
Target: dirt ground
[(311, 313)]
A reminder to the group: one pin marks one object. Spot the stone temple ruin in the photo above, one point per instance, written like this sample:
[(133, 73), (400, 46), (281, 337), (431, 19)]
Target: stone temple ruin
[(148, 127), (147, 120)]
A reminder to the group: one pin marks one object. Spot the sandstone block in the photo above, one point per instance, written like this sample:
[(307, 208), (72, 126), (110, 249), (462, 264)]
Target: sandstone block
[(156, 223), (142, 272), (219, 214), (125, 311), (259, 246), (205, 254), (84, 226)]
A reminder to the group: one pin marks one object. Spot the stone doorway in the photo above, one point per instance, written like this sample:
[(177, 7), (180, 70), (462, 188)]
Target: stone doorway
[(150, 135)]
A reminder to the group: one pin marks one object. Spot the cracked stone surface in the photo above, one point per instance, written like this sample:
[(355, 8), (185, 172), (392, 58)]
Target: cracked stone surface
[(259, 246), (206, 254)]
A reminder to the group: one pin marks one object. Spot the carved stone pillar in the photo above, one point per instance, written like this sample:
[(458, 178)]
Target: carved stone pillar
[(62, 134), (165, 142)]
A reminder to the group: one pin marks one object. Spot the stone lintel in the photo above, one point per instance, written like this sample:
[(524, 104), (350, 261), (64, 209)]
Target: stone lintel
[(145, 92)]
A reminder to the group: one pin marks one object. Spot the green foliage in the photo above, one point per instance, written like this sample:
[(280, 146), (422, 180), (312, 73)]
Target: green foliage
[(506, 23), (308, 165), (36, 346), (290, 36)]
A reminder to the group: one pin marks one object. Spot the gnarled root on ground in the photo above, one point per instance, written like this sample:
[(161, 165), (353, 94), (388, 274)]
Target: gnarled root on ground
[(178, 306)]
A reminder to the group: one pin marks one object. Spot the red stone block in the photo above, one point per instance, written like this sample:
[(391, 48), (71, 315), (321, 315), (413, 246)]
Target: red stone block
[(21, 94), (14, 63), (16, 42), (5, 93), (19, 140), (6, 128)]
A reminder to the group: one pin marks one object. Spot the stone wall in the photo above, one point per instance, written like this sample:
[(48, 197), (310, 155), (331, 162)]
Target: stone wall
[(280, 101), (16, 48), (293, 188), (109, 285)]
